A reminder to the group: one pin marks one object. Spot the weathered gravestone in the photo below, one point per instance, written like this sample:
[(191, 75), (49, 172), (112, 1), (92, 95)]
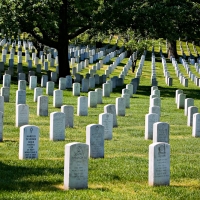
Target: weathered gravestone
[(2, 104), (106, 90), (42, 105), (181, 101), (20, 97), (1, 126), (95, 140), (106, 119), (99, 95), (110, 108), (37, 92), (188, 102), (176, 97), (92, 99), (76, 89), (76, 166), (150, 119), (28, 142), (159, 164), (50, 88), (33, 82), (44, 80), (22, 115), (191, 111), (196, 125), (156, 110), (5, 92), (126, 100), (21, 85), (57, 98), (69, 115), (85, 85), (120, 106), (62, 83), (161, 132), (82, 107), (6, 80), (57, 126)]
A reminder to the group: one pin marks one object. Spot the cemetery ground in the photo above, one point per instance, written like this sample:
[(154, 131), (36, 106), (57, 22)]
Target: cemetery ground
[(123, 172)]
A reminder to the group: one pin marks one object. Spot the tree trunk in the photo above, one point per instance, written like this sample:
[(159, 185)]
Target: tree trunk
[(63, 41), (172, 51), (64, 68)]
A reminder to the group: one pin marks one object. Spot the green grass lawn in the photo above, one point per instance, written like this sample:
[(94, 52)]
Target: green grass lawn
[(123, 173)]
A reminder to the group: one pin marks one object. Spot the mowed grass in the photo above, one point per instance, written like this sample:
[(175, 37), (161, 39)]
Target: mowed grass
[(123, 173)]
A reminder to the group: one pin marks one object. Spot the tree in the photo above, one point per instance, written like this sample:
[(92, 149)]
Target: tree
[(54, 22), (169, 19)]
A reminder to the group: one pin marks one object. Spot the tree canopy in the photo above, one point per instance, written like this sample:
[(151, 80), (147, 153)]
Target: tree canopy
[(55, 22)]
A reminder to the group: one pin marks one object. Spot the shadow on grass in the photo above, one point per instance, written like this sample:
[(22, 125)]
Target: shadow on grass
[(15, 178)]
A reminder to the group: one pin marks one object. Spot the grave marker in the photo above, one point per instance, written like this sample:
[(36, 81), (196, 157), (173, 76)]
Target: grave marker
[(76, 166), (28, 142)]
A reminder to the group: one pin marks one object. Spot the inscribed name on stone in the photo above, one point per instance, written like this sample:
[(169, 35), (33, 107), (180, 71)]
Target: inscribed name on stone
[(76, 166), (159, 164), (28, 142), (161, 132)]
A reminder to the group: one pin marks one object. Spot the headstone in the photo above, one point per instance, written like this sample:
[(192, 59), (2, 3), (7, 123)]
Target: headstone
[(188, 102), (92, 99), (76, 166), (150, 119), (57, 126), (1, 126), (21, 85), (85, 85), (21, 76), (6, 80), (191, 111), (5, 92), (126, 99), (95, 140), (22, 115), (68, 81), (44, 80), (50, 88), (76, 89), (2, 104), (106, 119), (28, 142), (156, 110), (155, 101), (57, 98), (196, 125), (20, 97), (37, 92), (159, 164), (177, 92), (33, 82), (82, 107), (161, 132), (99, 95), (181, 101), (120, 106), (42, 105), (62, 83), (106, 90), (69, 115), (110, 108), (130, 88)]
